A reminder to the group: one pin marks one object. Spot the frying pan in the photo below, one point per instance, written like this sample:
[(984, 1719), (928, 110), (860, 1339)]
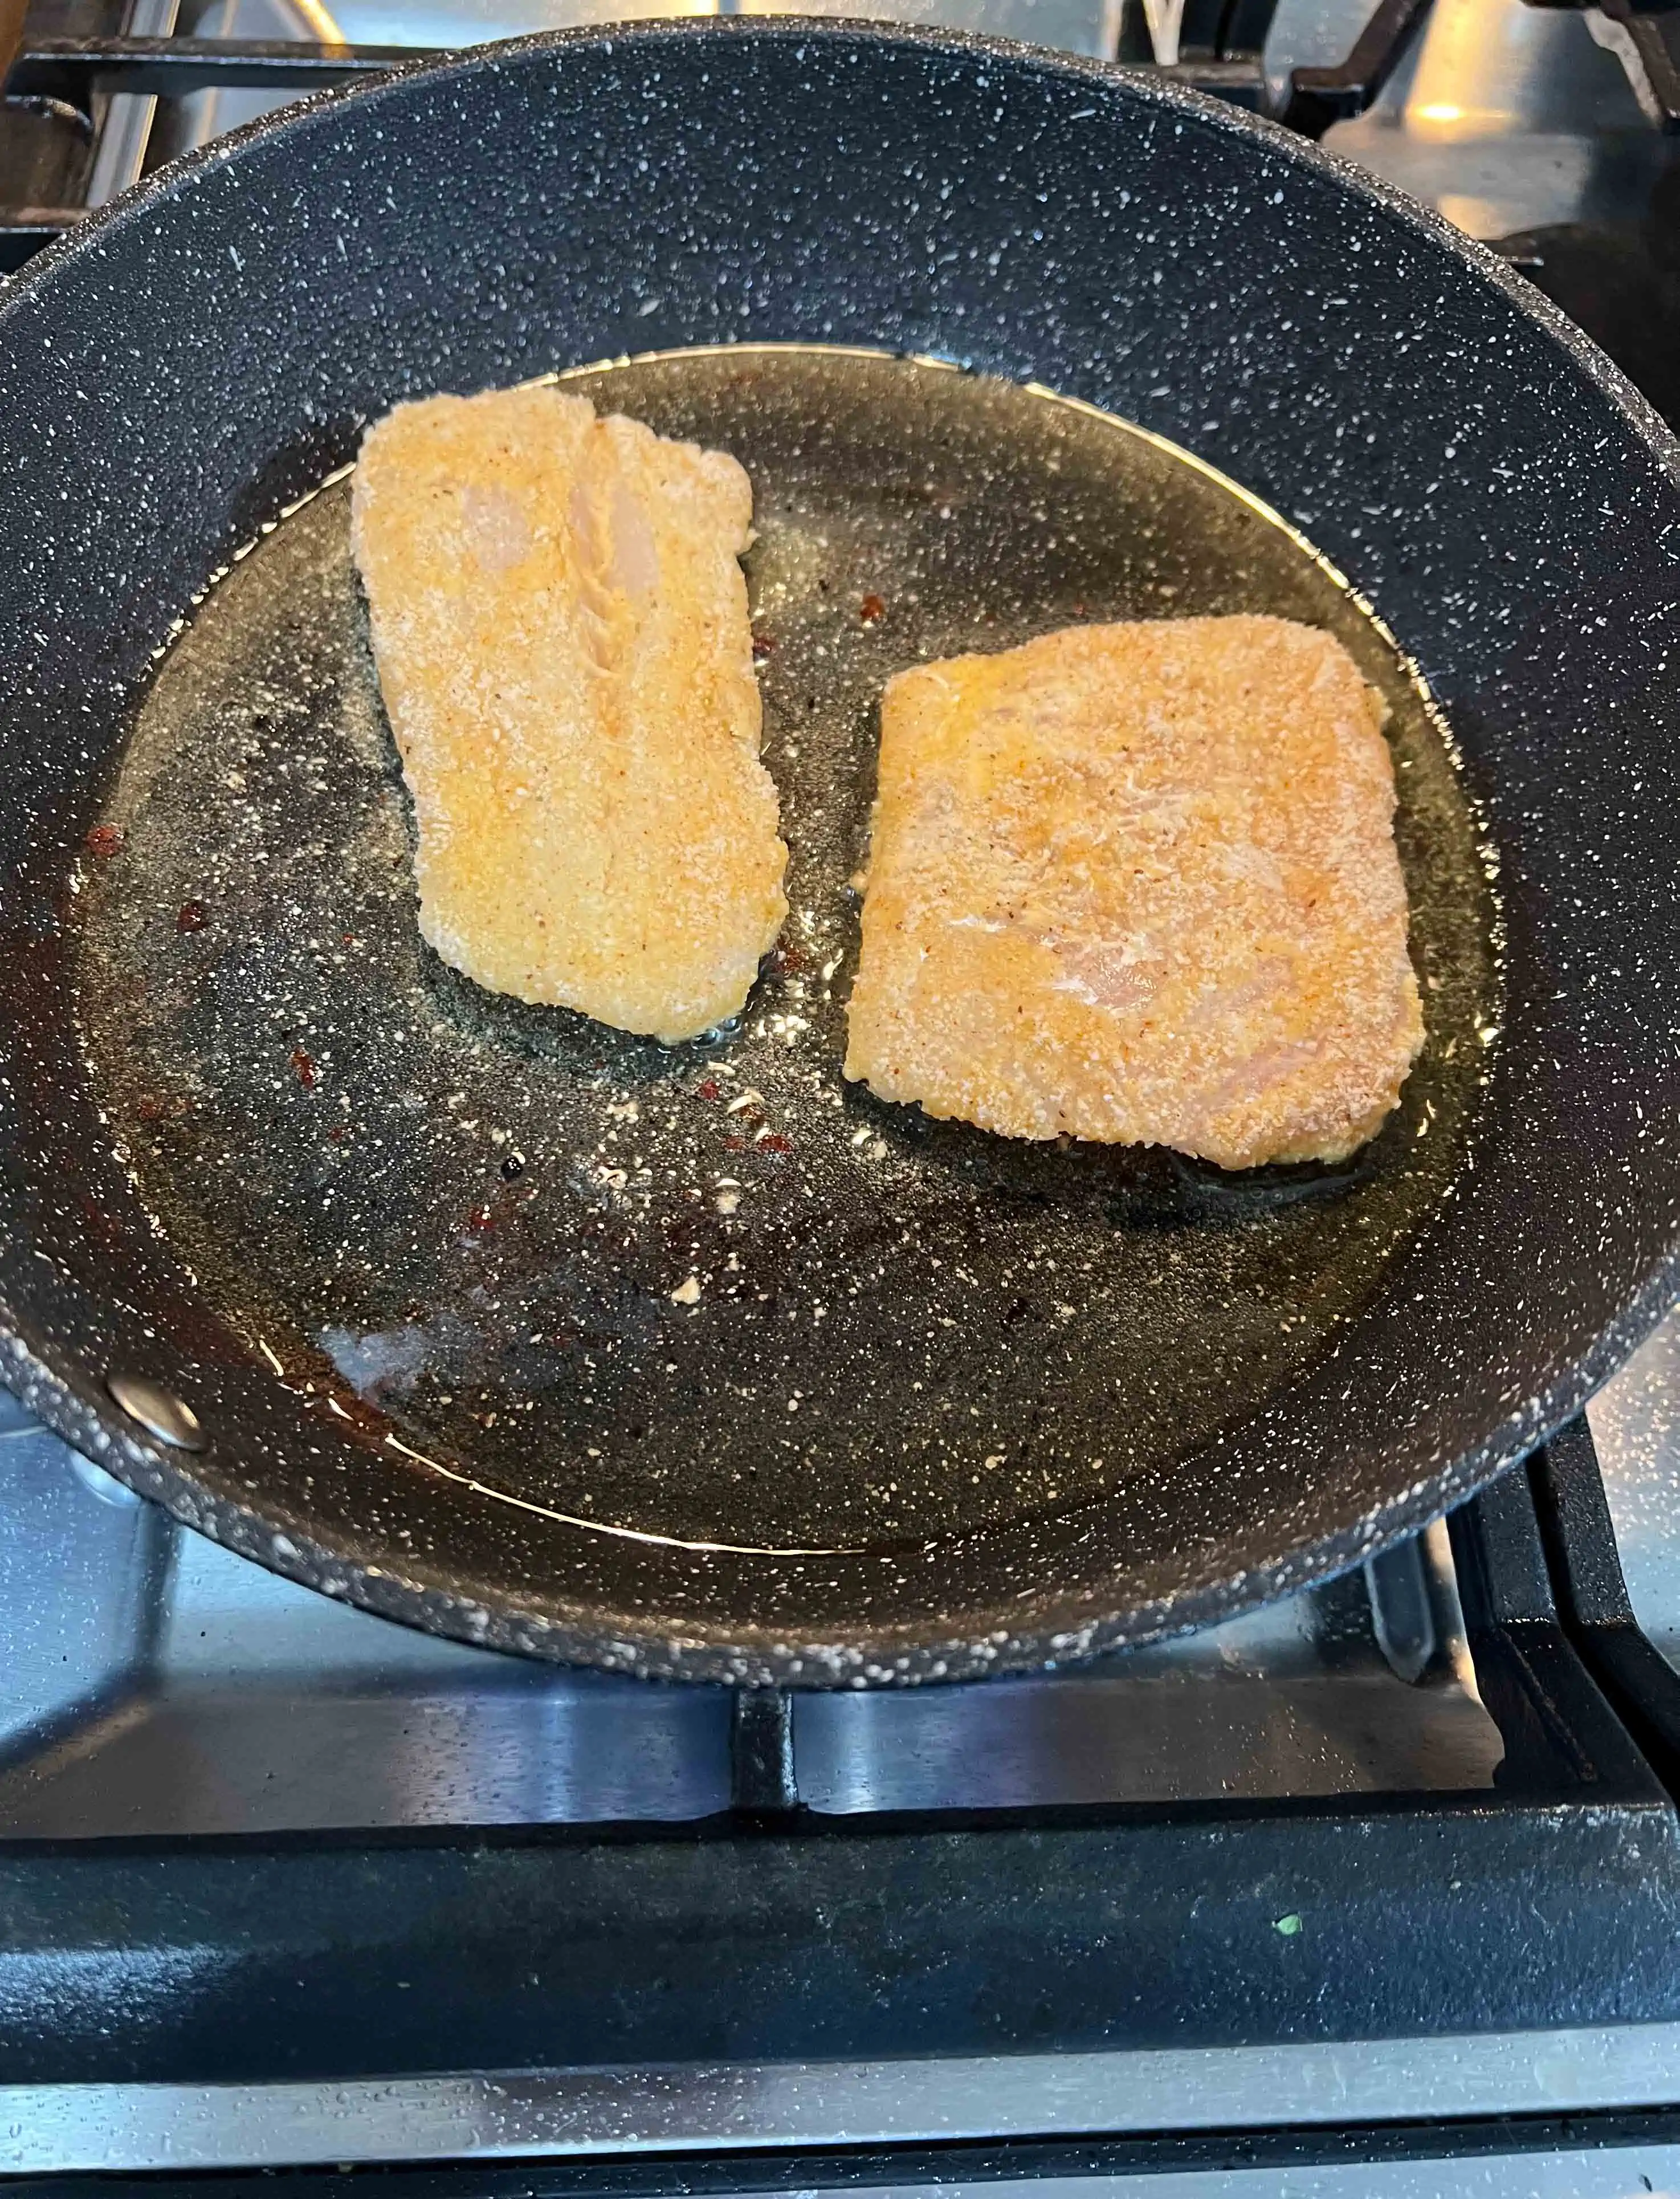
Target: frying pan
[(390, 1274)]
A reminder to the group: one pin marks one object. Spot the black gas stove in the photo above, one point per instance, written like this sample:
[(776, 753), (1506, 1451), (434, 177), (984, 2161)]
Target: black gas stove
[(1376, 1892), (1388, 1874)]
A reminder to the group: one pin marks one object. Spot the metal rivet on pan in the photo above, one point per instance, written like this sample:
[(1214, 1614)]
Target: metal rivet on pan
[(157, 1410)]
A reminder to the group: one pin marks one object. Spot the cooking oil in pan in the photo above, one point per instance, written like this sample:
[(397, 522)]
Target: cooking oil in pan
[(715, 1293)]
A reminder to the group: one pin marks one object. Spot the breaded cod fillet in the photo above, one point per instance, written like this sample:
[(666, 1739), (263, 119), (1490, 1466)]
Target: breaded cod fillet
[(1139, 883), (560, 625)]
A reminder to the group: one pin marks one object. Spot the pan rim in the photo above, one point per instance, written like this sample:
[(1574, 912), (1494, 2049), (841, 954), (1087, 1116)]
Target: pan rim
[(744, 1656), (879, 1654), (1143, 82)]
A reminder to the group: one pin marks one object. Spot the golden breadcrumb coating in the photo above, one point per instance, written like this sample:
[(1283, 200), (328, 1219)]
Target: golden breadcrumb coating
[(560, 625), (1139, 883)]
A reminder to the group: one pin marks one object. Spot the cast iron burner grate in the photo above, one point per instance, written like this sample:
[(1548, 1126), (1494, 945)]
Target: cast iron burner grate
[(772, 1973)]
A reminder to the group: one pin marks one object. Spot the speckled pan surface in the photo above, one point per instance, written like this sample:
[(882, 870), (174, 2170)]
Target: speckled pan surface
[(173, 378)]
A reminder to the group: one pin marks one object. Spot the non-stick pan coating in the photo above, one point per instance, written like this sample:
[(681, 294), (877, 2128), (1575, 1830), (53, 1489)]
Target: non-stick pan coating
[(1501, 500), (715, 1292)]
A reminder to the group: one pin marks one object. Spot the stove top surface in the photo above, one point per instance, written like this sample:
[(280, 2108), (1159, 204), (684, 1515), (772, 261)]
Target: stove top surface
[(275, 1874)]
